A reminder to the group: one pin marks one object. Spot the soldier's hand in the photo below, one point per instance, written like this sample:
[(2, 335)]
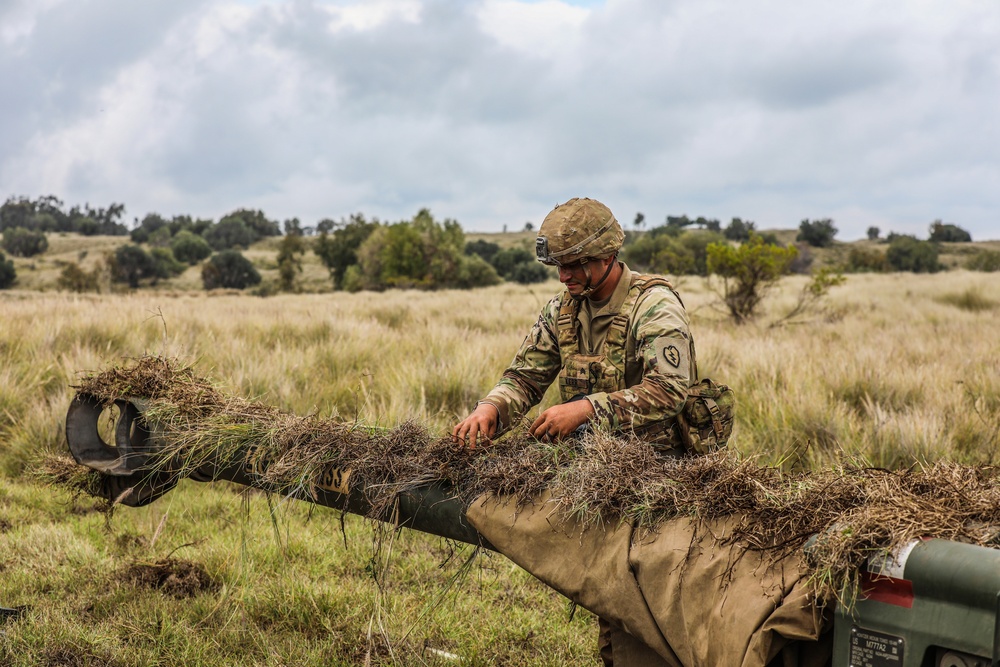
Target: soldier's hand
[(482, 423), (561, 420)]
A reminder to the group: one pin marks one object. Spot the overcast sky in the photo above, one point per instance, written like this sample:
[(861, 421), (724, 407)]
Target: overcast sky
[(870, 112)]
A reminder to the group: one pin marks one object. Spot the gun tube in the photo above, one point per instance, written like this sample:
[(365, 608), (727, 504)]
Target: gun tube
[(133, 475)]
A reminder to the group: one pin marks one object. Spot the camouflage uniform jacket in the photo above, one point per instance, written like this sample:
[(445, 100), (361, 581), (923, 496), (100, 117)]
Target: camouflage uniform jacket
[(637, 380)]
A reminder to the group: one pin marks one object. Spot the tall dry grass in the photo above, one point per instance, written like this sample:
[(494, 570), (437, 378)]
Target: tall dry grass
[(896, 368)]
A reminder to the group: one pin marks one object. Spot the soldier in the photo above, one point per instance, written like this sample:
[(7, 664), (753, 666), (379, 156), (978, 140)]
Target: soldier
[(620, 345)]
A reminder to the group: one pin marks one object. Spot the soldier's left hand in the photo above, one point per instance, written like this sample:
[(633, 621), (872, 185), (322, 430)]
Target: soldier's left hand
[(561, 420)]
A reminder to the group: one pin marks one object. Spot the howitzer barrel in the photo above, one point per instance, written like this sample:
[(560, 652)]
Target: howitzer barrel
[(135, 472)]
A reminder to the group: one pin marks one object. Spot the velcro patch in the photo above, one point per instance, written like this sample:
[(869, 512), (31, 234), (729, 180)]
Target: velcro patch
[(672, 356)]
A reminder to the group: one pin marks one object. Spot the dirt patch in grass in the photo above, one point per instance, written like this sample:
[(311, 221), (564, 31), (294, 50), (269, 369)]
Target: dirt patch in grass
[(67, 655), (176, 578)]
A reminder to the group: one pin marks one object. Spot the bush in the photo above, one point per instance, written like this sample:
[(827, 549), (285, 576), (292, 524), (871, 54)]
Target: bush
[(947, 233), (817, 233), (21, 242), (167, 265), (527, 273), (74, 279), (338, 249), (290, 252), (230, 233), (189, 247), (748, 272), (131, 264), (986, 260), (229, 269), (485, 249), (8, 276), (474, 271), (738, 230), (907, 253), (864, 260)]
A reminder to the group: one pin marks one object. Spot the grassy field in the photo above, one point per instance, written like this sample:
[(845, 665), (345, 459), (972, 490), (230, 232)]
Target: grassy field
[(895, 369)]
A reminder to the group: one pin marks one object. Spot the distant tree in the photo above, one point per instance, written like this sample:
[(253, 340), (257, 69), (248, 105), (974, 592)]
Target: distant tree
[(948, 233), (325, 226), (131, 264), (294, 227), (21, 242), (228, 233), (529, 226), (505, 260), (874, 233), (73, 278), (290, 252), (338, 249), (907, 253), (151, 223), (640, 221), (229, 269), (863, 260), (17, 212), (748, 272), (527, 273), (189, 248), (985, 260), (738, 230), (675, 224), (485, 249), (711, 225), (256, 222), (8, 275), (167, 265), (817, 233)]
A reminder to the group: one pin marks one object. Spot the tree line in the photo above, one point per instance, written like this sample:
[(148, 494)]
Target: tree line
[(422, 252)]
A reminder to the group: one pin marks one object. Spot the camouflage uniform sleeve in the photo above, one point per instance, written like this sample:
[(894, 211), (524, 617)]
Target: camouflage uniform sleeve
[(661, 333), (535, 366)]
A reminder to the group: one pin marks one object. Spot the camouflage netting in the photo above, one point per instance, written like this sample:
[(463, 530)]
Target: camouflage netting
[(595, 479)]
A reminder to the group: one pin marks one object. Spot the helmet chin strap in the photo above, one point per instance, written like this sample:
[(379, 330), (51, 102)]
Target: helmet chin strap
[(588, 289)]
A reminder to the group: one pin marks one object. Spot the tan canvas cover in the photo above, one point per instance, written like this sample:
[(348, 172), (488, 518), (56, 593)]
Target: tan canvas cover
[(680, 590)]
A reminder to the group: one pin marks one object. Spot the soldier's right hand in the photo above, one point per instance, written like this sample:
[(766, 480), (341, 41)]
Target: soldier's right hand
[(482, 423)]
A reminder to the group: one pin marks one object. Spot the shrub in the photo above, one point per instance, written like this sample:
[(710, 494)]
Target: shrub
[(166, 264), (948, 233), (189, 247), (817, 233), (907, 253), (738, 230), (230, 269), (474, 271), (8, 276), (290, 252), (985, 260), (74, 279), (131, 264), (864, 260), (21, 242), (230, 233), (485, 249), (748, 272), (529, 272), (338, 250)]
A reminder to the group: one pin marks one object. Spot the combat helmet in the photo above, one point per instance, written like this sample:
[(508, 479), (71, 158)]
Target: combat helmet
[(577, 230)]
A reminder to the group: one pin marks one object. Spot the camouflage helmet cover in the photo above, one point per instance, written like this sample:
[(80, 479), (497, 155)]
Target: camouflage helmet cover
[(578, 229)]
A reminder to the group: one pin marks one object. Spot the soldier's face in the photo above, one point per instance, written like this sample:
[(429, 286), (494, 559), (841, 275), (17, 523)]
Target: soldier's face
[(574, 276)]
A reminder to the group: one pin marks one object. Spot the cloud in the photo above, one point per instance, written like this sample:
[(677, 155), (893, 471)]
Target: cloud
[(492, 111)]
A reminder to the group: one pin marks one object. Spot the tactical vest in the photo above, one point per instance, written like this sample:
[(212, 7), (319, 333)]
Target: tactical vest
[(584, 374)]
